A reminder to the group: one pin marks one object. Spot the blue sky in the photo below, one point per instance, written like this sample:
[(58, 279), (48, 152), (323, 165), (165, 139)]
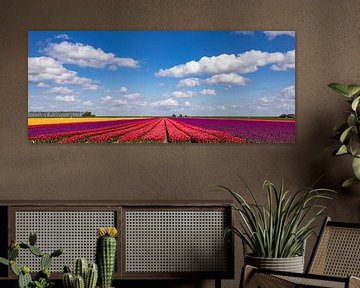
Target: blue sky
[(222, 73)]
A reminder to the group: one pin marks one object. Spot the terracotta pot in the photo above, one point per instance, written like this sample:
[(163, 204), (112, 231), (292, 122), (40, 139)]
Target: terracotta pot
[(291, 264)]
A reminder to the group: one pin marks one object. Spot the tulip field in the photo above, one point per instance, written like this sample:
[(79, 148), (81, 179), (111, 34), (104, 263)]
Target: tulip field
[(164, 130)]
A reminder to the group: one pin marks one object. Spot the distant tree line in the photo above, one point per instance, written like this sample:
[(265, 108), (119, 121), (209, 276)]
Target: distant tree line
[(179, 116), (287, 116), (60, 114)]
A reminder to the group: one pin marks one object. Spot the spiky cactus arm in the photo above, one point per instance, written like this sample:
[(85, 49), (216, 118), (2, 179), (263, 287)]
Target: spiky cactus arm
[(79, 282), (105, 257), (68, 280), (80, 268), (91, 276)]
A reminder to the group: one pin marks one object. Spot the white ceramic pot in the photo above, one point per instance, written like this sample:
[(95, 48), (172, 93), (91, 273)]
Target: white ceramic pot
[(291, 264)]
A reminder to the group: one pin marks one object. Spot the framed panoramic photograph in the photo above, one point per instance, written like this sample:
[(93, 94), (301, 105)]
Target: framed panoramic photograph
[(161, 87)]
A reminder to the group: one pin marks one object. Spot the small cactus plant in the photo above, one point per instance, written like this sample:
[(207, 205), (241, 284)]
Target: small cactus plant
[(85, 275), (42, 278), (106, 254)]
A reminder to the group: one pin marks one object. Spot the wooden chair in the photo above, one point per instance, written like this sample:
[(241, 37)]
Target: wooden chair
[(335, 262)]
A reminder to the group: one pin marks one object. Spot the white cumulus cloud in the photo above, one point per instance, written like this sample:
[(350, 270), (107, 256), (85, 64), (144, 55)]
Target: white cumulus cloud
[(189, 82), (43, 68), (273, 34), (123, 89), (88, 103), (62, 36), (231, 78), (106, 99), (59, 90), (182, 94), (130, 100), (281, 102), (190, 94), (246, 62), (207, 92), (286, 62), (87, 56), (66, 98), (132, 96), (42, 85), (166, 103)]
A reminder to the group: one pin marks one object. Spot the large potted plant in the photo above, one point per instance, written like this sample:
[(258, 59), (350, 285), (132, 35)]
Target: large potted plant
[(275, 233), (348, 132)]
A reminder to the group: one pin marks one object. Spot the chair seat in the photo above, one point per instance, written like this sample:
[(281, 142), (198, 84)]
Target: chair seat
[(335, 262), (263, 278), (314, 282)]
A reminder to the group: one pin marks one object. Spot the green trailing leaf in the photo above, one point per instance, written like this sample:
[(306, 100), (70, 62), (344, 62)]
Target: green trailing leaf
[(353, 145), (340, 88), (353, 89), (342, 150), (350, 131), (356, 167), (355, 103), (345, 134), (351, 120), (349, 182)]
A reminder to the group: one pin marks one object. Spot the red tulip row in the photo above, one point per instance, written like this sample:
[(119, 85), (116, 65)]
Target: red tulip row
[(157, 134), (138, 134), (85, 136), (117, 135), (144, 130), (78, 134), (175, 134)]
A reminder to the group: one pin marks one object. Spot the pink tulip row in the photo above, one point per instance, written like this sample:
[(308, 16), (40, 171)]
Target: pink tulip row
[(198, 134)]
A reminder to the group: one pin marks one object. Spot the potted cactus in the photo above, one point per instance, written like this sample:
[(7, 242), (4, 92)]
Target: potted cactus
[(42, 278), (85, 275), (106, 254)]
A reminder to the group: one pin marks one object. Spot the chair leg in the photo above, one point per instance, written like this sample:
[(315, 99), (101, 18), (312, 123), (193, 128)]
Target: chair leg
[(246, 274), (217, 283)]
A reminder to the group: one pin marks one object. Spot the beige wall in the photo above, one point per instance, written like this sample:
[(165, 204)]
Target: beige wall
[(327, 50)]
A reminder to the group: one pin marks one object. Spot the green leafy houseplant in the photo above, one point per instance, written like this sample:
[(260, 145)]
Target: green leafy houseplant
[(279, 229), (349, 132)]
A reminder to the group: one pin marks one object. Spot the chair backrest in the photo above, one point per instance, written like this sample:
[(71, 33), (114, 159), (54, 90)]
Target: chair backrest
[(337, 251)]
